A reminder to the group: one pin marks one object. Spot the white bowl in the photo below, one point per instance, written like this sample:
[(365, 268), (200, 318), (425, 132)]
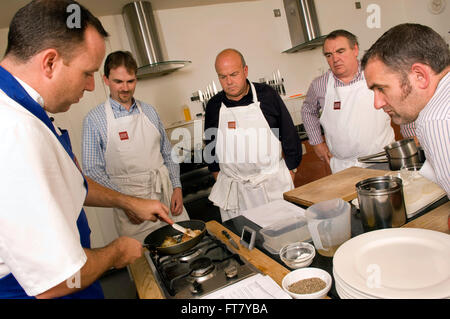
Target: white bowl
[(305, 273), (297, 255)]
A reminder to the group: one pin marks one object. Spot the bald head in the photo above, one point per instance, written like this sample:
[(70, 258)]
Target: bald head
[(229, 54), (232, 72)]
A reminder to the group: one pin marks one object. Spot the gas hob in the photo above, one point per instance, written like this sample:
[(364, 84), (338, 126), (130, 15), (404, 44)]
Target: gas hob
[(203, 269)]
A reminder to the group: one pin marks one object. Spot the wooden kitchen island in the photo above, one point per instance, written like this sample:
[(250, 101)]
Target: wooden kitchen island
[(147, 288)]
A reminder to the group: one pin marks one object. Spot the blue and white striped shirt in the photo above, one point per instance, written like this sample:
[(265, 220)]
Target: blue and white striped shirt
[(433, 132), (95, 141)]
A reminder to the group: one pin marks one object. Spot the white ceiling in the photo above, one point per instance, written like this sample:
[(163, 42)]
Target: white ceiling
[(106, 7)]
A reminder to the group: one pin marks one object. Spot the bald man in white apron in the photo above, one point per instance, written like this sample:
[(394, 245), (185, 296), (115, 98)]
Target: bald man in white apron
[(244, 185)]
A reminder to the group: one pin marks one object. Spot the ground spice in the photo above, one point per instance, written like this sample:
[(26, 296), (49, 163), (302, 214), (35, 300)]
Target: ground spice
[(307, 286)]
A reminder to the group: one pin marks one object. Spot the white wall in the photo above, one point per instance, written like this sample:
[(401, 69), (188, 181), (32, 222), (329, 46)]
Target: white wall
[(199, 33)]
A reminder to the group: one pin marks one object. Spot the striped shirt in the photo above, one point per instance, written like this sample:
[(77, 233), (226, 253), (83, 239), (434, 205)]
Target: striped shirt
[(315, 101), (433, 132), (95, 141)]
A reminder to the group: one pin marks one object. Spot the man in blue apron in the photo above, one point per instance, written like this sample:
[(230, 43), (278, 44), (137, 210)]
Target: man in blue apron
[(44, 235)]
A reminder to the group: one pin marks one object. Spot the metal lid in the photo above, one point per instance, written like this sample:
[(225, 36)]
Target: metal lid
[(380, 185)]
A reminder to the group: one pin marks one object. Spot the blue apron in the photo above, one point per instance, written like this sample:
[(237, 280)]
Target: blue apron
[(9, 287)]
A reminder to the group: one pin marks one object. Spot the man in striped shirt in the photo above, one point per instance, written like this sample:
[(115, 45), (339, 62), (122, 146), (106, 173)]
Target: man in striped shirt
[(408, 70), (125, 148), (340, 101)]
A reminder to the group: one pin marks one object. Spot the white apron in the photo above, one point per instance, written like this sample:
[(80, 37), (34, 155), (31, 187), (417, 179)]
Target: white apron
[(355, 129), (134, 163), (252, 170)]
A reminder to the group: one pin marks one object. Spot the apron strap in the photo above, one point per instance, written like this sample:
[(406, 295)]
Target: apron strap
[(255, 97)]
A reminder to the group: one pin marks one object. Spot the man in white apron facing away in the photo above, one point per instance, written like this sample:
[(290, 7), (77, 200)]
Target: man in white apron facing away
[(351, 125), (254, 146), (125, 147)]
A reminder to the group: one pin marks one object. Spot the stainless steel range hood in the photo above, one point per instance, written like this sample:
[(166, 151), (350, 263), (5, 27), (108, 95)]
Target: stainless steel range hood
[(303, 25), (144, 40)]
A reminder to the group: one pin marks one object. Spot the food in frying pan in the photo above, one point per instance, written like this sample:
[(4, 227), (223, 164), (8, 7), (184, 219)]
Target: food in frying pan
[(173, 240)]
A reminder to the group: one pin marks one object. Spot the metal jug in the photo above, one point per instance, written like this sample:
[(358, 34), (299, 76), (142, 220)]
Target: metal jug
[(381, 202)]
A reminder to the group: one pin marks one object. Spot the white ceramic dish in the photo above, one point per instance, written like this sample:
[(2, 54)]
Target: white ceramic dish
[(297, 255), (395, 263), (305, 273)]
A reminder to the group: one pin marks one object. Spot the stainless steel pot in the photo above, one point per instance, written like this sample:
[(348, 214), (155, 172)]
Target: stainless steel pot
[(381, 202), (401, 149), (398, 154)]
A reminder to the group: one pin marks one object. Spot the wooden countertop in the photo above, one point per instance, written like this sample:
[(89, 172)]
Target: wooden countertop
[(437, 219), (338, 185), (147, 287)]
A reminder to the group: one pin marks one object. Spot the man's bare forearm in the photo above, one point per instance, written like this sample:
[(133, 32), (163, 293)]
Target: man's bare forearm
[(145, 209), (118, 254)]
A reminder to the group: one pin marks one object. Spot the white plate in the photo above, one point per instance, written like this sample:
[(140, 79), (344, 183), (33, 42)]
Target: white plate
[(347, 291), (395, 263)]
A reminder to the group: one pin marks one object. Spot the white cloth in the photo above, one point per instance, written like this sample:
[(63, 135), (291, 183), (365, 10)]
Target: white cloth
[(135, 164), (252, 170), (42, 196), (355, 129)]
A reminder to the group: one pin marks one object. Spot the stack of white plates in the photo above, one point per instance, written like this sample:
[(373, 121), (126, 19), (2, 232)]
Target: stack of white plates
[(394, 263)]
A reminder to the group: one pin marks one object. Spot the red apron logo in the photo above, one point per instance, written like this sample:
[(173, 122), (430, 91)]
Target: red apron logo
[(337, 105), (232, 125), (123, 136)]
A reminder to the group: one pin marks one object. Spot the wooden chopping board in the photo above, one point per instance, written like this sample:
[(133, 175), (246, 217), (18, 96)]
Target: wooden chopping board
[(339, 185)]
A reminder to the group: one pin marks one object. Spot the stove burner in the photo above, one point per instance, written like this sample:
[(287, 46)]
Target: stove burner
[(201, 267), (206, 267), (191, 254)]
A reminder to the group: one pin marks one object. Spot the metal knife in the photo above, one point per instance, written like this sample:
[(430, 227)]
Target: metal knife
[(233, 243)]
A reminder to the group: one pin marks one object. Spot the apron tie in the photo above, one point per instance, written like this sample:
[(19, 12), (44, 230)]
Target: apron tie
[(229, 186), (159, 183)]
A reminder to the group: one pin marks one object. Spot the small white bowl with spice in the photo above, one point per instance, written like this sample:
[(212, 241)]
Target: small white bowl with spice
[(307, 283)]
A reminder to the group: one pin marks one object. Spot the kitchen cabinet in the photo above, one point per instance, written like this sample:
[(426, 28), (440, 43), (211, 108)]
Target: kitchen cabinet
[(311, 167)]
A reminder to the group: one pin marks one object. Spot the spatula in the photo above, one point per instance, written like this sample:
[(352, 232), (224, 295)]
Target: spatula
[(180, 228)]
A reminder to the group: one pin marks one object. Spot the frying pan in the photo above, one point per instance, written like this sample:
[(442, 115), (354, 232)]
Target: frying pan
[(154, 240)]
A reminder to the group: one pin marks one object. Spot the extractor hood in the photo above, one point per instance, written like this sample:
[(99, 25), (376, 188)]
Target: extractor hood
[(303, 25), (144, 40)]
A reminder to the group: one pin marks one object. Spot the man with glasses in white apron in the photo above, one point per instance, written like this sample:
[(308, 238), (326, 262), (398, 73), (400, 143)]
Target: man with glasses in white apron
[(340, 101), (252, 146), (125, 148)]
